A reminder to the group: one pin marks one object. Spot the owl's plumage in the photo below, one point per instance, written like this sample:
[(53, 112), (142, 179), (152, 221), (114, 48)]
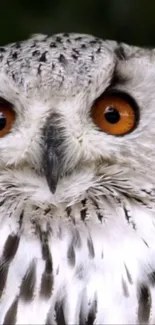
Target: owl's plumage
[(77, 205)]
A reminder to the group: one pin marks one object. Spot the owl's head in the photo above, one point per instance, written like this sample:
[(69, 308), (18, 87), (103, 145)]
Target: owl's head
[(76, 110)]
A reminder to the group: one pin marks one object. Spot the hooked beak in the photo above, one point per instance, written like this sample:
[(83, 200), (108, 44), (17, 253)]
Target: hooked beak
[(53, 151)]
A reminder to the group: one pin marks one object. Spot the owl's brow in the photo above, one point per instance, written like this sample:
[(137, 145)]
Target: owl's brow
[(117, 78)]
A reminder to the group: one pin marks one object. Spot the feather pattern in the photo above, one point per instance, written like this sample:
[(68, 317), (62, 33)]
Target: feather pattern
[(91, 262)]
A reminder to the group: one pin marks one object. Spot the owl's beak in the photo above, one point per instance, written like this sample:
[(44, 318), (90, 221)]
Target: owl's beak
[(53, 152), (51, 165), (51, 169)]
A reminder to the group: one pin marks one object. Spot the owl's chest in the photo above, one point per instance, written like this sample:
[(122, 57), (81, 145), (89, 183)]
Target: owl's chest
[(92, 261)]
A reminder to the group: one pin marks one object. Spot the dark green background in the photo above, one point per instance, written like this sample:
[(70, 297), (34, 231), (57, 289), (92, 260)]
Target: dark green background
[(132, 21)]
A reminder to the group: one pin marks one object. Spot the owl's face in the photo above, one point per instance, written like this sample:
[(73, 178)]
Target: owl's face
[(77, 106)]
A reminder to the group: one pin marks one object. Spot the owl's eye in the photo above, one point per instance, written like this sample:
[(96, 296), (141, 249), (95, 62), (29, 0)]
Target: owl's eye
[(115, 113), (7, 117)]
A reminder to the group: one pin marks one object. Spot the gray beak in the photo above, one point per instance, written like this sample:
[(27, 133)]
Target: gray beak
[(53, 151)]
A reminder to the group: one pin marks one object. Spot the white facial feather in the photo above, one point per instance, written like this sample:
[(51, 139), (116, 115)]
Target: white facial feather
[(35, 96)]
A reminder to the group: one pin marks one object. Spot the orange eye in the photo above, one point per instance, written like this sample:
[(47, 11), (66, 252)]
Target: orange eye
[(115, 114), (7, 117)]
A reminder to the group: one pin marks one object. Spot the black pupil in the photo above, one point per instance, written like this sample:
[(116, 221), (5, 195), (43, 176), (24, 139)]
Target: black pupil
[(112, 115), (2, 121)]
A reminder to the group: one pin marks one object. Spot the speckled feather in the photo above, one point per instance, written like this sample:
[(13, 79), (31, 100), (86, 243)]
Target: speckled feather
[(84, 254)]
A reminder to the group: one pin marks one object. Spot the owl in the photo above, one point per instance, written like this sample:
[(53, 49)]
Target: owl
[(77, 174)]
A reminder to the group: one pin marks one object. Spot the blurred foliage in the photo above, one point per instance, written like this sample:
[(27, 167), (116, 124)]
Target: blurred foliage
[(131, 21)]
